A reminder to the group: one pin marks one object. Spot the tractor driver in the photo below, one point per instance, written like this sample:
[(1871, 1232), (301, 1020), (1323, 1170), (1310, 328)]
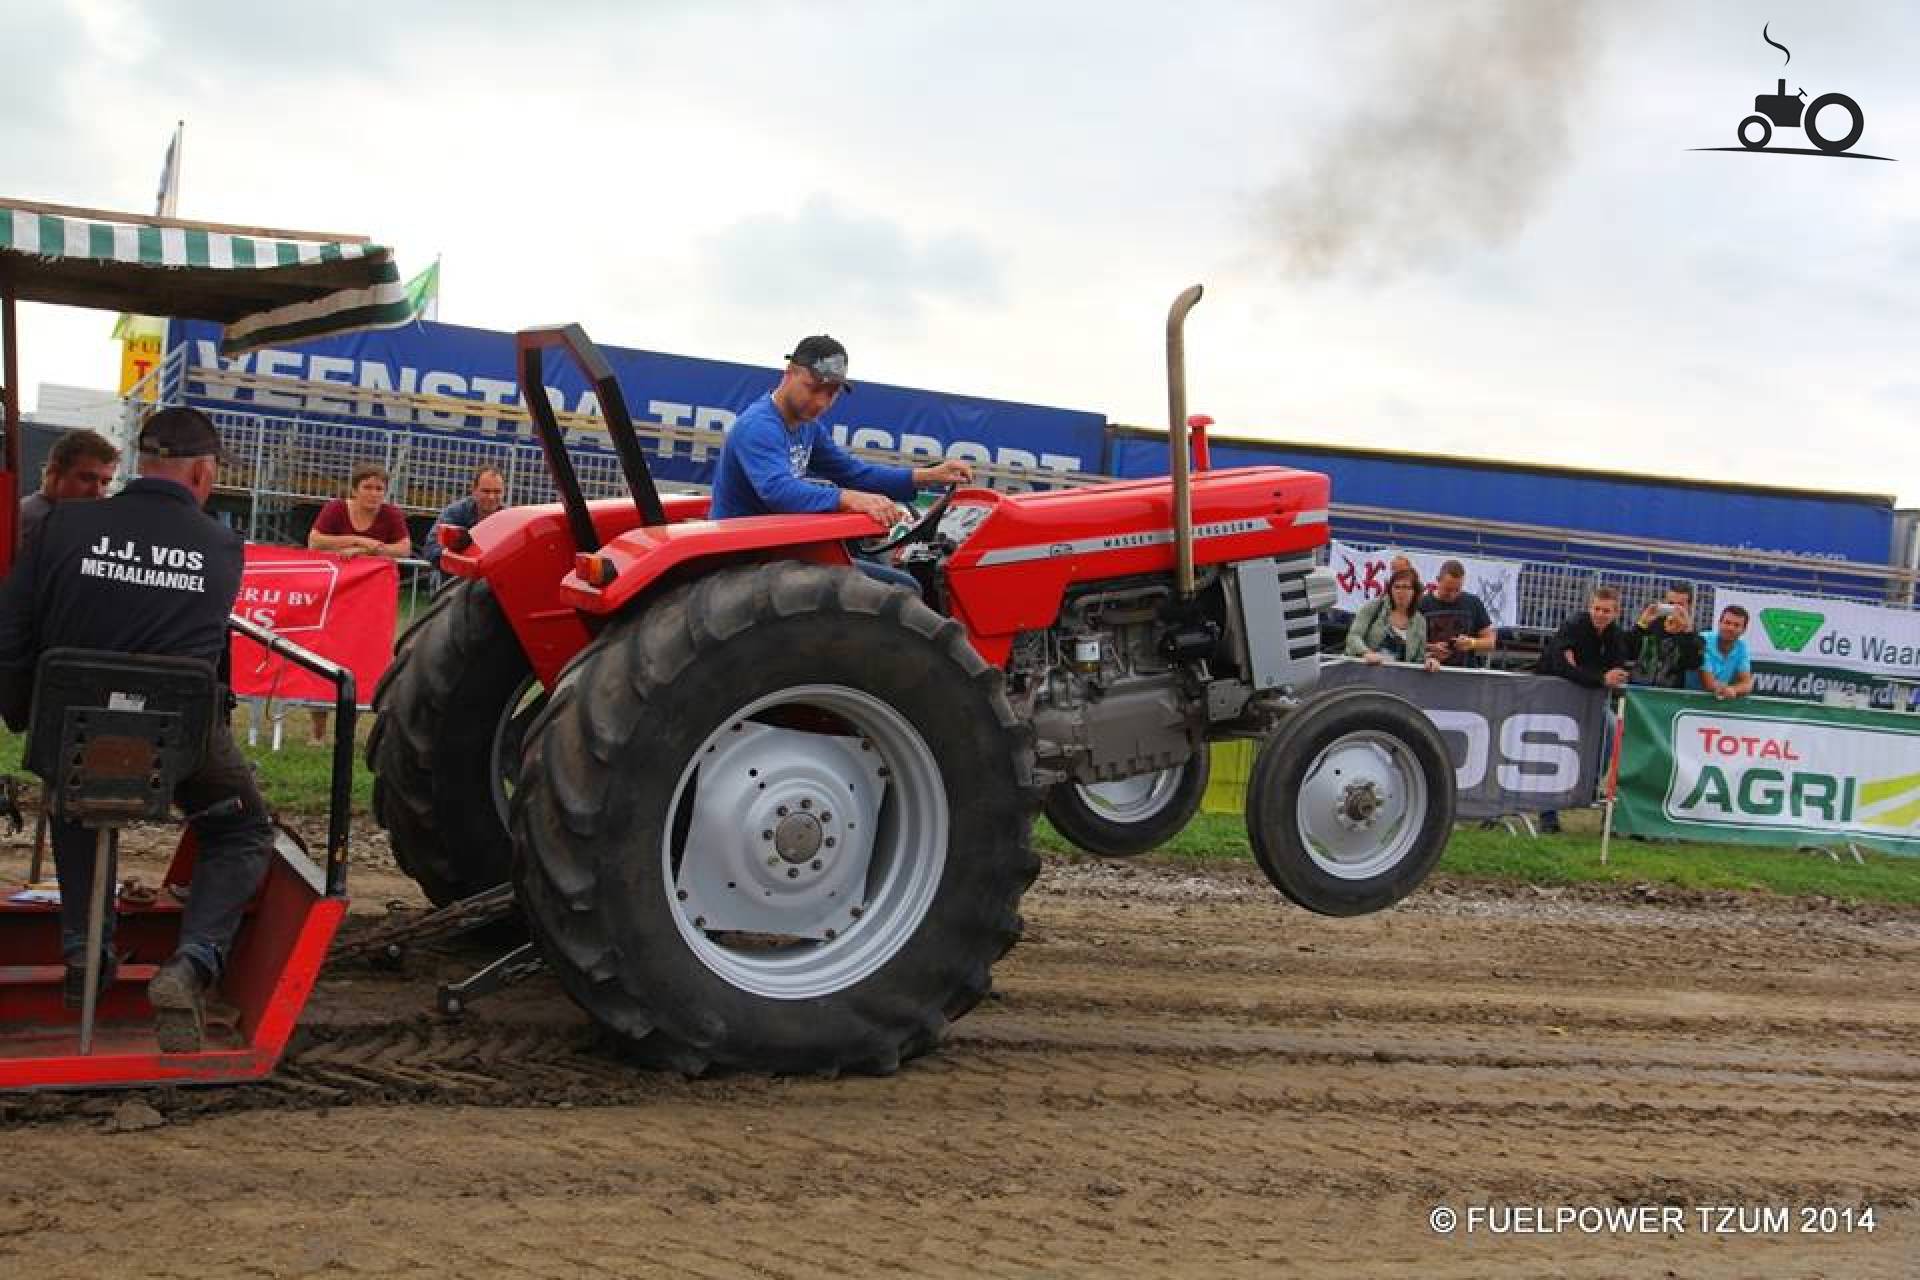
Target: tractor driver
[(779, 457), (147, 571)]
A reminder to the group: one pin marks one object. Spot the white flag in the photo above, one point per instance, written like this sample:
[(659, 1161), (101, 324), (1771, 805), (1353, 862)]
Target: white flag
[(168, 200)]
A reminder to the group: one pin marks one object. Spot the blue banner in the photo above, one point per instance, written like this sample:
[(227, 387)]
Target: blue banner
[(1856, 527), (478, 364)]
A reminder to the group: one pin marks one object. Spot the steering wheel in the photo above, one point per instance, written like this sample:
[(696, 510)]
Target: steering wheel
[(919, 531)]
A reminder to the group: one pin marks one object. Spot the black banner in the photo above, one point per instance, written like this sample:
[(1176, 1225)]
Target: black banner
[(1520, 743)]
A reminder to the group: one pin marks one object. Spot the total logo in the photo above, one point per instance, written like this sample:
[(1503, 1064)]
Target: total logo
[(1807, 776)]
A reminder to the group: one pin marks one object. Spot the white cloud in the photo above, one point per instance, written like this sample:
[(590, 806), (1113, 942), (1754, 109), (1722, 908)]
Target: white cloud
[(1001, 199)]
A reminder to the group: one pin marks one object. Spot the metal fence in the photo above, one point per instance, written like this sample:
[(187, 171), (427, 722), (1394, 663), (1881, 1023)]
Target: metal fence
[(283, 460)]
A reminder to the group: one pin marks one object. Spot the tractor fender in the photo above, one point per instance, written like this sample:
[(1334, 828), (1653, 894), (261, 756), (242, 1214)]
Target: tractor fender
[(522, 553), (642, 557)]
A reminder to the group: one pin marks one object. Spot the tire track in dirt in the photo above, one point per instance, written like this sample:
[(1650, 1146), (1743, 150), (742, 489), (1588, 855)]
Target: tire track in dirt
[(1160, 1087)]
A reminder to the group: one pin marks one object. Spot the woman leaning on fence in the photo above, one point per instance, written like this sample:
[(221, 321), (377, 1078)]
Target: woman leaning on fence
[(1389, 628), (363, 523)]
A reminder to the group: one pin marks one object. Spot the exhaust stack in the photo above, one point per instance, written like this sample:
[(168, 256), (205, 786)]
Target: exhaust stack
[(1177, 439)]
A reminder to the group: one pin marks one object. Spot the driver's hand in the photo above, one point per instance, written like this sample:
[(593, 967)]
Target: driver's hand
[(882, 510), (952, 471)]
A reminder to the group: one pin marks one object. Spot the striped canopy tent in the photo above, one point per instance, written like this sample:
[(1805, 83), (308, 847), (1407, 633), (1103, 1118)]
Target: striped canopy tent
[(265, 286)]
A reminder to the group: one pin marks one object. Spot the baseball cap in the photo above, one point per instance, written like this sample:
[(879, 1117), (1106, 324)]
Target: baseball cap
[(180, 432), (823, 357)]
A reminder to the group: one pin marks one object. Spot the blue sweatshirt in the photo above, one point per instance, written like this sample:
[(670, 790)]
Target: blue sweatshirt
[(768, 468)]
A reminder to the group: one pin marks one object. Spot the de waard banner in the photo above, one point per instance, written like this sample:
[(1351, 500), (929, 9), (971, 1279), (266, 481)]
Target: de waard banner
[(1766, 771), (1809, 648)]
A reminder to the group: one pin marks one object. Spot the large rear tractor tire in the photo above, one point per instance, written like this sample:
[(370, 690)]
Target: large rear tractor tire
[(1134, 815), (778, 821), (1351, 802), (453, 710)]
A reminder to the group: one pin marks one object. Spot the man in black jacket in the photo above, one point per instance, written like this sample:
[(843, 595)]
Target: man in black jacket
[(147, 571), (1591, 649)]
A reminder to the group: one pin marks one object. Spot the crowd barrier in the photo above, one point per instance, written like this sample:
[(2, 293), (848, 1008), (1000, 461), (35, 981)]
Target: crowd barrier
[(1520, 744), (343, 609), (1768, 771)]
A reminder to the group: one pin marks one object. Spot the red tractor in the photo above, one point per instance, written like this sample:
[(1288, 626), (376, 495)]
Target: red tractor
[(763, 812)]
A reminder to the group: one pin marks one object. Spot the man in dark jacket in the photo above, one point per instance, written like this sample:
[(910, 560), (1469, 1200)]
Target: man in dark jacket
[(1590, 649), (147, 571)]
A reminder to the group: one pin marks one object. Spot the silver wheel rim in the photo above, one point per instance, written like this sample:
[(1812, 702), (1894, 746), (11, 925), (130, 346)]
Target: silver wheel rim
[(1362, 805), (509, 735), (1132, 800), (807, 840)]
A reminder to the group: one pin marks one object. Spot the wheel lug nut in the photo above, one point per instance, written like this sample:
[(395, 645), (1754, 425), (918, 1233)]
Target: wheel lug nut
[(831, 935), (830, 842), (793, 873), (781, 812), (816, 864), (856, 912), (806, 803), (681, 894)]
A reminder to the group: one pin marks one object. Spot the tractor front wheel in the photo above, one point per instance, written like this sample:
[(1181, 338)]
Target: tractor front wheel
[(778, 821), (1351, 802)]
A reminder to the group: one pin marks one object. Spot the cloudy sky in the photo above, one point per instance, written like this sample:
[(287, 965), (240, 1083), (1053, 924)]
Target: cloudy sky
[(1471, 228)]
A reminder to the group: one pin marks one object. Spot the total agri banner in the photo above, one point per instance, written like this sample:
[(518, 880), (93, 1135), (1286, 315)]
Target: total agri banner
[(1833, 650), (1361, 574), (1764, 771), (1519, 743), (462, 363)]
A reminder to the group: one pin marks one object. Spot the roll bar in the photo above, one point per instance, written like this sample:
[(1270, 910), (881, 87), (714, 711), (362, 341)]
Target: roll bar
[(529, 347)]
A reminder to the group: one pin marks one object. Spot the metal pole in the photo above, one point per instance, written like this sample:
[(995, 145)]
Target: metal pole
[(10, 386), (1177, 438), (96, 933)]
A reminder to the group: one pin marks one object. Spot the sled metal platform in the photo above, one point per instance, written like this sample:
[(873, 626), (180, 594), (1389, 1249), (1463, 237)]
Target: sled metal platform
[(251, 1013)]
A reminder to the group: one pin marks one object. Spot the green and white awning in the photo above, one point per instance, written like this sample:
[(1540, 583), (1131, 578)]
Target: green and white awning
[(265, 287)]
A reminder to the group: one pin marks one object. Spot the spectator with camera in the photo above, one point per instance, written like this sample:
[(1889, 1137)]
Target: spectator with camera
[(1459, 628), (1666, 648)]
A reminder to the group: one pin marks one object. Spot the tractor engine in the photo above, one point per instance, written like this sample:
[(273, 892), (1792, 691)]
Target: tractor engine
[(1129, 680)]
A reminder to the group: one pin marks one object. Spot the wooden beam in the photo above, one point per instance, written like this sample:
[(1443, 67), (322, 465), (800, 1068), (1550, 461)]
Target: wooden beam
[(10, 461), (149, 220)]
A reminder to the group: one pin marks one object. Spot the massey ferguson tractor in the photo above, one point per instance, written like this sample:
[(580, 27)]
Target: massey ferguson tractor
[(762, 812)]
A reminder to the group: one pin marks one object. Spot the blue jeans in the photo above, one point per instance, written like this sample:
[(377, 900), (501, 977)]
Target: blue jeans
[(886, 573), (232, 860)]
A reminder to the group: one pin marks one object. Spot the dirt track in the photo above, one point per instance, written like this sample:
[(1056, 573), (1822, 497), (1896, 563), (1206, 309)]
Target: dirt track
[(1180, 1075)]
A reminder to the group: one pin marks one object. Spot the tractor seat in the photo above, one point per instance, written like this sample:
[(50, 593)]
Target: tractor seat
[(112, 734)]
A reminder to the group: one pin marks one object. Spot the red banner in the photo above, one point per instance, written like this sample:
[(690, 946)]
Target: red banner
[(339, 608)]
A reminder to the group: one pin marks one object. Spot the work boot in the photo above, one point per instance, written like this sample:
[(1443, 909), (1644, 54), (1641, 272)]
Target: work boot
[(73, 987), (179, 1015)]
